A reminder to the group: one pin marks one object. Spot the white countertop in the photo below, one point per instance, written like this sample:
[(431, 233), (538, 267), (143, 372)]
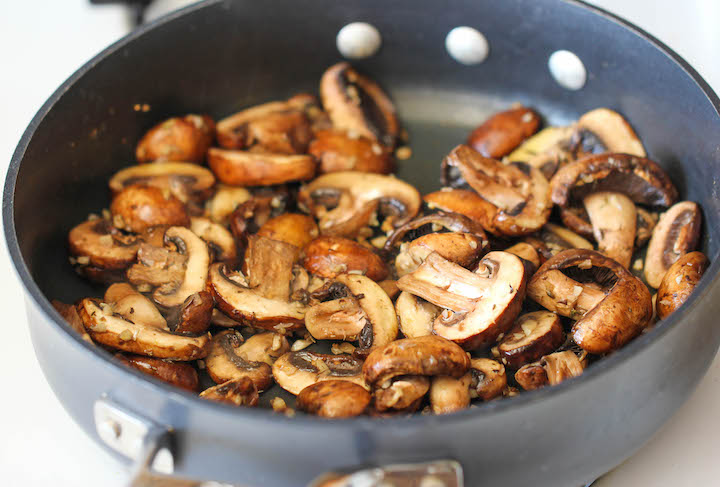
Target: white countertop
[(43, 41)]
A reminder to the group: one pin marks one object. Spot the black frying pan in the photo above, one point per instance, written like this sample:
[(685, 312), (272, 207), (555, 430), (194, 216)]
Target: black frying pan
[(221, 56)]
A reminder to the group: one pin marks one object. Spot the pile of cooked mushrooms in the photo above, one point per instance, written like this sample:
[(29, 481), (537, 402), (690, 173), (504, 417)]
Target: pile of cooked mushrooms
[(296, 258)]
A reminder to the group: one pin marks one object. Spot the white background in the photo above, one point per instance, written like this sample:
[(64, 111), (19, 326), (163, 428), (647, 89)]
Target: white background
[(43, 42)]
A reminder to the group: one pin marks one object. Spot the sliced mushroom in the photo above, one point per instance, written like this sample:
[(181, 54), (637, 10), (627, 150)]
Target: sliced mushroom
[(461, 248), (503, 132), (70, 315), (676, 233), (137, 208), (547, 150), (478, 306), (556, 239), (178, 374), (177, 139), (119, 333), (334, 399), (463, 201), (533, 336), (679, 282), (604, 130), (241, 303), (331, 256), (611, 305), (645, 225), (133, 306), (428, 356), (293, 228), (390, 288), (415, 315), (550, 370), (102, 245), (526, 252), (183, 180), (178, 274), (339, 319), (346, 201), (226, 361), (435, 222), (356, 104), (488, 379), (517, 195), (613, 218), (448, 394), (278, 127), (295, 371), (269, 267), (400, 393), (338, 151), (225, 200), (219, 240), (244, 168), (237, 392), (193, 316), (264, 347)]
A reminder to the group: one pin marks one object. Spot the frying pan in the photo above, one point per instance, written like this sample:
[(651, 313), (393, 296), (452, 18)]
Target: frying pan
[(220, 56)]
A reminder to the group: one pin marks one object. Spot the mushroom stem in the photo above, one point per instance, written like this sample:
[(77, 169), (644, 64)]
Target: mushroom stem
[(565, 296), (614, 218)]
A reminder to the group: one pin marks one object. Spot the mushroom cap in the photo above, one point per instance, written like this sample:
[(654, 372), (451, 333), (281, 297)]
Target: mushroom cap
[(532, 336), (177, 139), (604, 130), (428, 355), (488, 378), (638, 178), (679, 282), (337, 151), (401, 393), (618, 317), (94, 239), (178, 374), (136, 208), (452, 222), (232, 131), (295, 371), (334, 399), (461, 248), (243, 168), (237, 392), (331, 256), (293, 228), (448, 394), (193, 179), (504, 131)]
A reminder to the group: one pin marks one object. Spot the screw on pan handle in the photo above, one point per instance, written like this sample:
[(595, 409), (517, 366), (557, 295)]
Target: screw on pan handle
[(440, 473)]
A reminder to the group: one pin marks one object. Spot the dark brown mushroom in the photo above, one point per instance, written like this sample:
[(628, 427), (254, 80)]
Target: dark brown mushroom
[(269, 267), (237, 392), (334, 399), (331, 256), (183, 180), (193, 316), (435, 222), (97, 243), (178, 374), (533, 336), (295, 371), (337, 151), (137, 208), (679, 282), (550, 370), (478, 306), (177, 139), (676, 233), (357, 105), (611, 305), (504, 131), (293, 228), (243, 168), (70, 315)]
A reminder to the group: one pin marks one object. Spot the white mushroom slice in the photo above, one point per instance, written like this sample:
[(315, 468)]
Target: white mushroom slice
[(196, 268), (116, 332), (182, 179), (613, 218), (243, 304), (560, 294), (218, 238), (224, 202), (604, 130), (339, 319), (546, 150), (294, 371), (415, 315), (133, 306)]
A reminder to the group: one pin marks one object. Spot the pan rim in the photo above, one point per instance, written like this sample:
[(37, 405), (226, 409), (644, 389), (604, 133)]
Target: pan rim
[(186, 399)]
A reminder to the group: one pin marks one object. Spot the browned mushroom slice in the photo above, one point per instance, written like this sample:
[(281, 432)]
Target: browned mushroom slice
[(339, 319), (611, 305), (134, 306), (504, 131), (71, 316), (676, 233), (603, 130), (356, 104), (101, 245), (237, 392), (518, 194), (137, 208), (337, 151), (479, 305), (293, 228), (415, 315), (219, 240), (533, 335), (556, 239), (177, 274), (225, 200), (461, 248), (244, 168), (547, 150), (331, 256), (434, 222), (183, 180), (226, 361), (279, 127), (448, 394), (334, 399), (241, 303), (679, 282), (576, 219), (269, 267), (428, 356), (346, 201), (177, 139), (463, 201), (550, 370), (193, 316), (645, 225), (488, 379), (178, 374), (526, 252), (613, 218), (295, 371), (401, 392), (116, 332)]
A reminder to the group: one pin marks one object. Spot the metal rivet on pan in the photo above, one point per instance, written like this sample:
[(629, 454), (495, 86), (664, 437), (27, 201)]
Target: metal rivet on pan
[(567, 69), (358, 40), (467, 45), (163, 462)]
